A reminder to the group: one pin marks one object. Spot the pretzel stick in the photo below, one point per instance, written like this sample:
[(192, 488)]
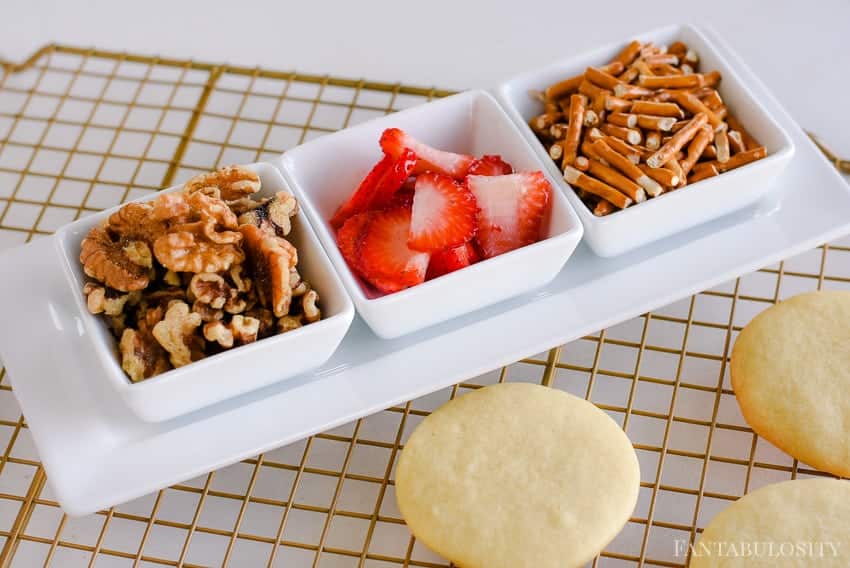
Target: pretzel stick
[(722, 112), (665, 69), (657, 109), (663, 123), (626, 167), (558, 130), (650, 49), (741, 159), (689, 102), (630, 135), (556, 150), (678, 48), (711, 79), (616, 104), (628, 53), (569, 86), (603, 208), (597, 104), (591, 117), (623, 119), (663, 176), (629, 74), (736, 142), (670, 81), (587, 150), (622, 147), (542, 122), (600, 78), (617, 180), (682, 137), (653, 140), (712, 99), (660, 58), (627, 91), (675, 167), (596, 187), (642, 68), (590, 90), (710, 151), (749, 141), (696, 149), (700, 173), (721, 142), (573, 135), (582, 163)]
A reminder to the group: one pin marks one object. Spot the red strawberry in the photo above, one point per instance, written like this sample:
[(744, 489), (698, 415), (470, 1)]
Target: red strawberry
[(349, 237), (402, 198), (378, 187), (511, 210), (449, 260), (444, 213), (394, 141), (490, 165), (385, 260)]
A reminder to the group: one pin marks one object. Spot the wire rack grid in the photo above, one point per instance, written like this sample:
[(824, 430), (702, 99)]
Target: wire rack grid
[(85, 129)]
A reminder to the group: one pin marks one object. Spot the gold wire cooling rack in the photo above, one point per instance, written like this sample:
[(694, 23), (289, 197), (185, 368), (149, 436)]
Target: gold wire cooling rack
[(85, 129)]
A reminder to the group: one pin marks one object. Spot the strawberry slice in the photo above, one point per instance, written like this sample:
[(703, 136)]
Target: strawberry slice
[(394, 141), (378, 187), (490, 165), (444, 214), (349, 237), (385, 259), (512, 208), (449, 260)]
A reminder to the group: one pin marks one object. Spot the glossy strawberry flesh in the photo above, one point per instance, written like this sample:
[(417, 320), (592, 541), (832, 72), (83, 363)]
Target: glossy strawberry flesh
[(490, 165), (445, 214), (394, 141), (449, 260), (386, 262)]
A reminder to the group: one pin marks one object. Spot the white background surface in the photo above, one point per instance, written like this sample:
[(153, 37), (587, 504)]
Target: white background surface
[(800, 49)]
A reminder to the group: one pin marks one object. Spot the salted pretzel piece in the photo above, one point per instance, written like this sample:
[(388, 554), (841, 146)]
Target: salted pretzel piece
[(665, 69), (558, 130), (721, 143), (630, 135), (741, 159), (659, 58), (711, 99), (746, 137), (690, 102), (736, 142), (616, 180), (591, 116), (616, 104), (702, 171), (581, 163), (603, 208), (711, 79), (642, 69), (682, 137), (628, 53), (573, 135), (675, 167), (629, 169), (632, 153), (629, 74), (662, 175), (710, 152), (657, 109), (678, 48), (653, 140), (591, 185), (600, 78), (587, 150), (590, 90), (556, 151), (662, 123), (625, 119), (541, 123), (629, 91)]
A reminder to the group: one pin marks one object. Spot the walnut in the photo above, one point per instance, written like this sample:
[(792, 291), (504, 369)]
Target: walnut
[(105, 260), (186, 252), (242, 283), (117, 324), (210, 289), (234, 182), (207, 312), (240, 330), (311, 311), (100, 300), (138, 252), (266, 319), (141, 356), (270, 261), (245, 204), (171, 278), (236, 304), (170, 207), (274, 215), (175, 333), (288, 323), (135, 221)]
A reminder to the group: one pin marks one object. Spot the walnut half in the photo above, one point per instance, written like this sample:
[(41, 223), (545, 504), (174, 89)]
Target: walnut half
[(175, 332), (274, 215), (141, 356), (107, 260), (233, 182), (270, 259)]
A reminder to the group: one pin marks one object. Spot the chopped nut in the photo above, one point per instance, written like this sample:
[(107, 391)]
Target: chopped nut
[(274, 215), (220, 333), (245, 204), (100, 300), (104, 260), (245, 329), (141, 356), (266, 319), (234, 182), (117, 324), (288, 323), (174, 332), (138, 252), (236, 304), (270, 261), (185, 252), (135, 222), (210, 289), (312, 313), (237, 274), (207, 312), (171, 278)]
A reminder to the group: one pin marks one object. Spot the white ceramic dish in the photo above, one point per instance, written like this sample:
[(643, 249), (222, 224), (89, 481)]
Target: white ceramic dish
[(96, 455), (325, 171), (667, 214), (231, 372)]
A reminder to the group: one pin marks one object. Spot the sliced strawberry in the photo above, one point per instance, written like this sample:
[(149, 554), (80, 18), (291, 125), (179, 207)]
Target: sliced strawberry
[(350, 236), (394, 141), (385, 259), (490, 165), (378, 187), (402, 198), (449, 260), (512, 208), (444, 213)]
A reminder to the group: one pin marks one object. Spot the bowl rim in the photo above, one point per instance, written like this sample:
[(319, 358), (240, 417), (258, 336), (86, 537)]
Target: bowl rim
[(786, 147), (354, 283), (107, 353)]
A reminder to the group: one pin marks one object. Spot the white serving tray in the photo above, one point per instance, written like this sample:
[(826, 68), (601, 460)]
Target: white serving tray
[(97, 454)]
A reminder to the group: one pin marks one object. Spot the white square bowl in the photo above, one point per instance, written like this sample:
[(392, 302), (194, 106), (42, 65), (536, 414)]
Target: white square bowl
[(675, 211), (235, 371), (324, 172)]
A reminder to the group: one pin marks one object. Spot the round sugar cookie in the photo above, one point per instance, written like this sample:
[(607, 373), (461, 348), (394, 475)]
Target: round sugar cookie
[(517, 475), (791, 374), (800, 523)]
